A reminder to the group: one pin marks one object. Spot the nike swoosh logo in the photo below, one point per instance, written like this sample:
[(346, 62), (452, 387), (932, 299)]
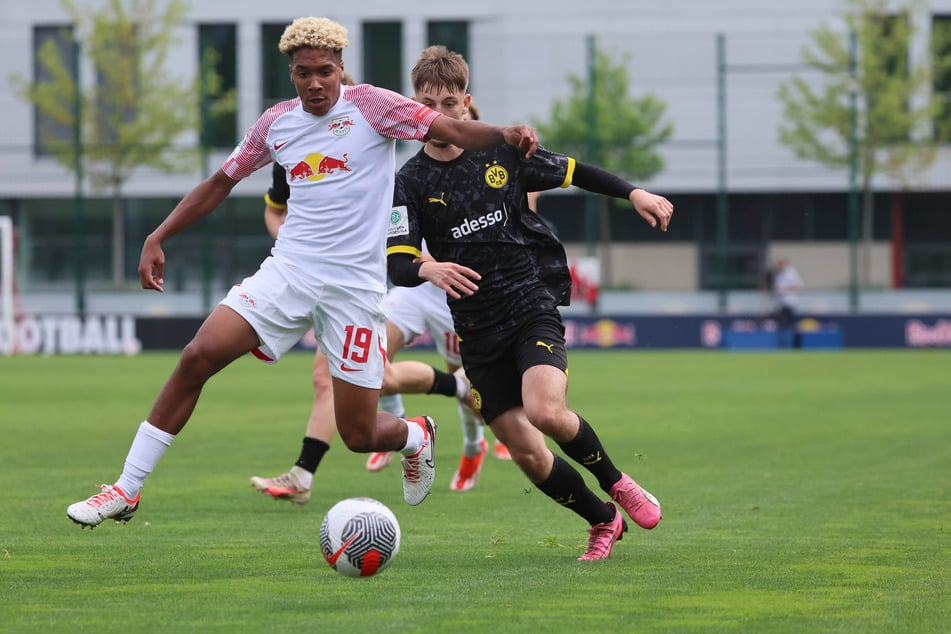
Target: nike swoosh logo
[(346, 369), (332, 560), (278, 146)]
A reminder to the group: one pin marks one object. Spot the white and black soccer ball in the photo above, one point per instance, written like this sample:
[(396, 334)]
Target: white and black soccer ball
[(359, 537)]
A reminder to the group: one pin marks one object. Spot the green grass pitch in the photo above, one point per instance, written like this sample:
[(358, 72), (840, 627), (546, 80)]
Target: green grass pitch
[(802, 492)]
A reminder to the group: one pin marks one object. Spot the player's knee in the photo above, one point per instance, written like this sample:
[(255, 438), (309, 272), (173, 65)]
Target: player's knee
[(534, 463), (196, 363), (321, 380), (546, 417)]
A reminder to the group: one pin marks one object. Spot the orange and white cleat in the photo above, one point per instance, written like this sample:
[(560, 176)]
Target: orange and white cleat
[(500, 451), (287, 486), (467, 474), (379, 460)]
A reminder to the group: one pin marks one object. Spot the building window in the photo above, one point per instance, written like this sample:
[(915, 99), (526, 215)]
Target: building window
[(941, 82), (52, 46), (275, 76), (454, 35), (383, 55), (217, 54)]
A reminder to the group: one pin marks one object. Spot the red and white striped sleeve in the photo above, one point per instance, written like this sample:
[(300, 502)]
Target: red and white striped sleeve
[(252, 153), (391, 114)]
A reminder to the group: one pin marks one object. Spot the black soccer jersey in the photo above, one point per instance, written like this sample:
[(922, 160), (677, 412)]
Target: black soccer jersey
[(473, 211)]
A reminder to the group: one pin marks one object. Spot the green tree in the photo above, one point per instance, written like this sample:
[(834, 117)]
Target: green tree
[(626, 130), (135, 111), (895, 110), (602, 124)]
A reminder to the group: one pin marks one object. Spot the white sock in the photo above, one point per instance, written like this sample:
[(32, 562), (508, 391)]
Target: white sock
[(304, 477), (147, 449), (414, 438), (393, 404), (473, 431), (462, 386)]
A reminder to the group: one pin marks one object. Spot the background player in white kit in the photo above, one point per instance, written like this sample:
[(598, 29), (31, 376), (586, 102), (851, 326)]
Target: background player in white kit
[(410, 312)]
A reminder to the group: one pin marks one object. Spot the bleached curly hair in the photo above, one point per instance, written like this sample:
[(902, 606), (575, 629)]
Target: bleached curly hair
[(313, 33)]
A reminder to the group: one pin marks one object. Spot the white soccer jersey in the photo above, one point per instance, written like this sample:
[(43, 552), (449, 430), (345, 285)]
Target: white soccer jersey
[(340, 168)]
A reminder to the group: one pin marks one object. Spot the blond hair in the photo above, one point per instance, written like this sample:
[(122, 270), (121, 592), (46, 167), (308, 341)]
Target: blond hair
[(313, 33), (438, 67)]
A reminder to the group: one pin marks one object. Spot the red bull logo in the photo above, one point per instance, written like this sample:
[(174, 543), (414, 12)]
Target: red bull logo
[(328, 164), (607, 333), (316, 166), (301, 171), (341, 126), (919, 334)]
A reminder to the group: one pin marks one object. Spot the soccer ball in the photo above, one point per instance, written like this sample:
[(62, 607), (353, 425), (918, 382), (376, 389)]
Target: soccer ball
[(359, 537)]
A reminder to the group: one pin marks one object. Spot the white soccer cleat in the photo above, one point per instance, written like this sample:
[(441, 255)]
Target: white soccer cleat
[(111, 502), (419, 470)]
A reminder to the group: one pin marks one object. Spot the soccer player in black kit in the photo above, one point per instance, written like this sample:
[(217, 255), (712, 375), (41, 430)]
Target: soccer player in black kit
[(505, 274)]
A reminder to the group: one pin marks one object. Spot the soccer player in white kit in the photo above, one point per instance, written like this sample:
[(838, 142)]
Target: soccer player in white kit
[(327, 270)]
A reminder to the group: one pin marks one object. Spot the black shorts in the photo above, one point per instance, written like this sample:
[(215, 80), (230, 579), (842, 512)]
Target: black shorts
[(495, 364)]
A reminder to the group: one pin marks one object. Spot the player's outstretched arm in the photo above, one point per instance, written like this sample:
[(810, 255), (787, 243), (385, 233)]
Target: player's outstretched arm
[(197, 204), (477, 135), (656, 210)]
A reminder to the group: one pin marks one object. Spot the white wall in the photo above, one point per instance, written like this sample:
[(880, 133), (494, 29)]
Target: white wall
[(520, 53)]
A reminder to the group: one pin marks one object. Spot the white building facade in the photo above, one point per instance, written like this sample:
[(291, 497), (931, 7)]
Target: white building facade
[(521, 54)]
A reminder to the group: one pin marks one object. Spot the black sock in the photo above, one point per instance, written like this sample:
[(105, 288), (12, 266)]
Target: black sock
[(566, 487), (443, 383), (586, 450), (311, 453)]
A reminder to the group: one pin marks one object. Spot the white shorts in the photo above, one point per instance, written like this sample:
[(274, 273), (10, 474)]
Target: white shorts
[(282, 303), (418, 309)]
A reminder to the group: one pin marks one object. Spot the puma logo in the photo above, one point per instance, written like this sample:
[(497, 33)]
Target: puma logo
[(441, 200), (591, 459), (545, 345)]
